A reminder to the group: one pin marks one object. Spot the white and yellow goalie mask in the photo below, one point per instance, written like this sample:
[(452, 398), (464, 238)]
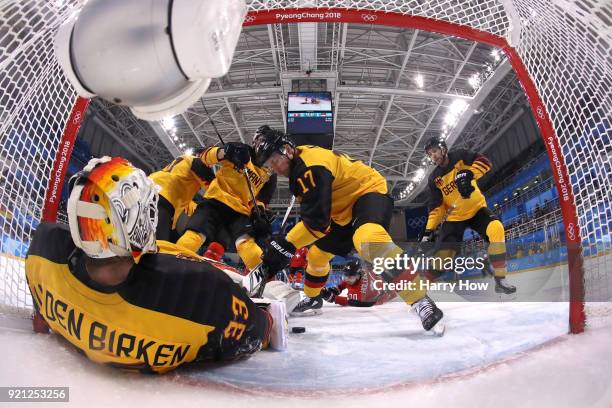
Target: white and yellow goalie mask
[(112, 209)]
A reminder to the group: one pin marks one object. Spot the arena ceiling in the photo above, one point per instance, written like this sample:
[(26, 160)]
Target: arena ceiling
[(392, 89)]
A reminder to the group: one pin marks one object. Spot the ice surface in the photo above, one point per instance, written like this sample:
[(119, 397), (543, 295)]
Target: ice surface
[(493, 354)]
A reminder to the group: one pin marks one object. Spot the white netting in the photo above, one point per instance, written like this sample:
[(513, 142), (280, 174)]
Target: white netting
[(35, 102), (565, 47), (566, 50)]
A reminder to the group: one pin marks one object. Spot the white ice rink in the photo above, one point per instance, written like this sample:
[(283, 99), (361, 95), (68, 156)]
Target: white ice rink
[(493, 355)]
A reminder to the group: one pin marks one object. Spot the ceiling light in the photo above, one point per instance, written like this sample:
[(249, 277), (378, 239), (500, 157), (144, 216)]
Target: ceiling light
[(418, 176), (474, 81), (189, 151), (168, 123), (495, 55), (418, 79)]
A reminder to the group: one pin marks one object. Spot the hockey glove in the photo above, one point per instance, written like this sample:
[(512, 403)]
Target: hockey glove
[(329, 294), (426, 236), (463, 179), (277, 255), (261, 222), (237, 153)]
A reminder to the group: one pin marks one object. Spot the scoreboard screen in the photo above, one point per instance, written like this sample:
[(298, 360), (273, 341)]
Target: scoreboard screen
[(310, 122)]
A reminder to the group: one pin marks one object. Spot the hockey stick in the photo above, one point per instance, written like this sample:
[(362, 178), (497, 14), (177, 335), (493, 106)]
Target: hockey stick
[(245, 172), (255, 281), (287, 213)]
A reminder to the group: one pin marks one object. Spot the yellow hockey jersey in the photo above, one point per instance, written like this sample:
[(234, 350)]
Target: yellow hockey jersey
[(445, 199), (230, 186), (181, 180), (327, 185), (173, 308)]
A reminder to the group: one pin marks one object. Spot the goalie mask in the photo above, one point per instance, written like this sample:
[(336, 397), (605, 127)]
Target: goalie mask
[(112, 209)]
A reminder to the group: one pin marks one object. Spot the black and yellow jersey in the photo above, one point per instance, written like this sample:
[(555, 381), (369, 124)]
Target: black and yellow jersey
[(231, 188), (445, 199), (173, 308), (327, 185), (181, 180)]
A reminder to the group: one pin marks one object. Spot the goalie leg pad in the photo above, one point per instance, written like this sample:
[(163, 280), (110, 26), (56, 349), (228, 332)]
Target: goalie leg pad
[(282, 291), (279, 332)]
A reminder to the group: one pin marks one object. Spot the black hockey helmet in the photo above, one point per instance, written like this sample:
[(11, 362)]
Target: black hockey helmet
[(268, 141), (352, 268), (435, 142)]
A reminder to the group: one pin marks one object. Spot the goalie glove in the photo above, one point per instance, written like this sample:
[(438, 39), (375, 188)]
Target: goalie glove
[(463, 180), (237, 153), (329, 294)]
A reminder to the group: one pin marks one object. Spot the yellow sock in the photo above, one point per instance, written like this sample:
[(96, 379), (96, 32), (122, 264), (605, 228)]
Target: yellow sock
[(497, 248), (373, 241), (249, 252), (191, 240), (317, 271)]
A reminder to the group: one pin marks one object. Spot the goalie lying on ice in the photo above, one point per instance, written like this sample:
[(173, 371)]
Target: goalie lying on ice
[(126, 300)]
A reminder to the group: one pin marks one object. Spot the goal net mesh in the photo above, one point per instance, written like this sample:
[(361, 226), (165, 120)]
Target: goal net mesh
[(564, 45)]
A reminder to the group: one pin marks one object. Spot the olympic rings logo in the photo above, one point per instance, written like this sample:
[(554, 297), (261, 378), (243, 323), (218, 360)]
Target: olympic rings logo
[(571, 233), (369, 17), (249, 18), (417, 222), (77, 118), (540, 112)]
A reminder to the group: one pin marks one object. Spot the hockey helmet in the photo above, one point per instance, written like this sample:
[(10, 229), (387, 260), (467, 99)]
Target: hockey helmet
[(352, 270), (112, 209), (435, 142), (268, 141)]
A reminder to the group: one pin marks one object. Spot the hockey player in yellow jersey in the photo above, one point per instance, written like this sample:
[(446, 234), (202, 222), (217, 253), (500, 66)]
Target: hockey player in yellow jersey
[(179, 182), (124, 299), (228, 203), (344, 205), (454, 194)]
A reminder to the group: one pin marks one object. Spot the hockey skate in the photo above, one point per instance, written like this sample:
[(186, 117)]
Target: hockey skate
[(308, 307), (502, 286), (430, 315)]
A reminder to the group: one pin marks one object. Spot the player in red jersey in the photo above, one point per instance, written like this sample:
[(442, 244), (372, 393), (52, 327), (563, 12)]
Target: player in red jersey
[(297, 266), (362, 291)]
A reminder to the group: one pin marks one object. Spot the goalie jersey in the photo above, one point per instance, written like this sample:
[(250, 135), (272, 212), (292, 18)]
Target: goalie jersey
[(173, 308)]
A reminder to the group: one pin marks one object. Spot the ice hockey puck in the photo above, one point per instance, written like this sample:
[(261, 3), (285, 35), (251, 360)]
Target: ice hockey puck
[(298, 329)]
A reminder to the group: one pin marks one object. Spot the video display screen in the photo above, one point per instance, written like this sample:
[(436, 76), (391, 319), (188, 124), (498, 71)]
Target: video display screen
[(309, 102)]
